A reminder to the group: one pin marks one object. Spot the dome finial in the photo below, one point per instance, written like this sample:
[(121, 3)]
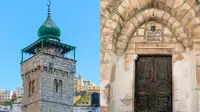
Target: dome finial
[(48, 5), (49, 29)]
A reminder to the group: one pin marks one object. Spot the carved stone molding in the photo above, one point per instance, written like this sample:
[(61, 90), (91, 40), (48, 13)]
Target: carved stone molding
[(135, 56)]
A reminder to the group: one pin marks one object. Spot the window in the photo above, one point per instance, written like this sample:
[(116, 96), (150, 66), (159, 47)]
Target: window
[(33, 86), (60, 87), (29, 93), (56, 85)]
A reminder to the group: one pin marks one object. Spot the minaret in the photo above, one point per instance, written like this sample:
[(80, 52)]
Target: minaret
[(48, 75)]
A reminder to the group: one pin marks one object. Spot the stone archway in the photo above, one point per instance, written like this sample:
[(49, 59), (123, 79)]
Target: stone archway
[(121, 18), (159, 15)]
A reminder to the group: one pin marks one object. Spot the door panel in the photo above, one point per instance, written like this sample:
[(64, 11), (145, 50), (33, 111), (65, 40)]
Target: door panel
[(143, 84), (163, 89), (153, 84)]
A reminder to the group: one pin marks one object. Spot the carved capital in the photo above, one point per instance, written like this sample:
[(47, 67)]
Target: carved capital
[(135, 56)]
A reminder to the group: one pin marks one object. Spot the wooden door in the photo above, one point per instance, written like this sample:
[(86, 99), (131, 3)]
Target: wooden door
[(153, 84)]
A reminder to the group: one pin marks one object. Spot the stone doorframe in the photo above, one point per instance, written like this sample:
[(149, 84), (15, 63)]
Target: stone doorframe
[(183, 83)]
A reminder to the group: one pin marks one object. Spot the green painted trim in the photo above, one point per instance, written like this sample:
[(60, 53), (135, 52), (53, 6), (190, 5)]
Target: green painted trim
[(42, 42), (74, 53), (22, 56), (31, 46)]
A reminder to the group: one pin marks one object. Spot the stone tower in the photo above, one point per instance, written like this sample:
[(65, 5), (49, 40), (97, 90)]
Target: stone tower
[(48, 76)]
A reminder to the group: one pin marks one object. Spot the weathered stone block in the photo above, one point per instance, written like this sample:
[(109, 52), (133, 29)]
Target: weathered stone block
[(167, 31), (141, 32), (182, 11), (140, 18), (195, 22), (121, 11), (121, 45), (135, 22), (188, 17)]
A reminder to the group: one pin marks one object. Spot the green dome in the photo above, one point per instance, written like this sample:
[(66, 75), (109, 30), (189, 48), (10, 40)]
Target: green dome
[(49, 29)]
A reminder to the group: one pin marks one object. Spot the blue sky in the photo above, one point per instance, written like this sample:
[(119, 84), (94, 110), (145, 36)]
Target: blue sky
[(20, 19)]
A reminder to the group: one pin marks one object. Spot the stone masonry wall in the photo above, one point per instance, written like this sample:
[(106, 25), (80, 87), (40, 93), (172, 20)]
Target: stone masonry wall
[(61, 70), (122, 34), (30, 70), (49, 67)]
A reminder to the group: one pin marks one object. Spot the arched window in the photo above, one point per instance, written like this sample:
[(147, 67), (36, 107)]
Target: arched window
[(60, 87), (29, 87), (33, 83), (55, 85)]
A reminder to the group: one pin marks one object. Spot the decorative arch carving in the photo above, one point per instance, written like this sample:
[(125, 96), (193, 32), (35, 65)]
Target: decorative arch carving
[(161, 16), (112, 21)]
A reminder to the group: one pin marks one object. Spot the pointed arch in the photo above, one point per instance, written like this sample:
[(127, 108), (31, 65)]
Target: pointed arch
[(180, 32), (115, 16)]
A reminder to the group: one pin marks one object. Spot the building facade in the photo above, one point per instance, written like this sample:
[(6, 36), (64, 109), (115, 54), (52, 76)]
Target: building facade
[(81, 85), (150, 55), (19, 92), (90, 87), (5, 95), (48, 75), (78, 84)]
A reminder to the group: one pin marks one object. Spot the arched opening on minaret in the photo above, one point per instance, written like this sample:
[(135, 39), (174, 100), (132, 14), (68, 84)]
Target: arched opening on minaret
[(60, 88), (33, 86), (29, 93), (55, 85)]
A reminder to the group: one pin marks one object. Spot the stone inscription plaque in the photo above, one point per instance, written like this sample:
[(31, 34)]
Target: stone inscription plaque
[(154, 35)]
